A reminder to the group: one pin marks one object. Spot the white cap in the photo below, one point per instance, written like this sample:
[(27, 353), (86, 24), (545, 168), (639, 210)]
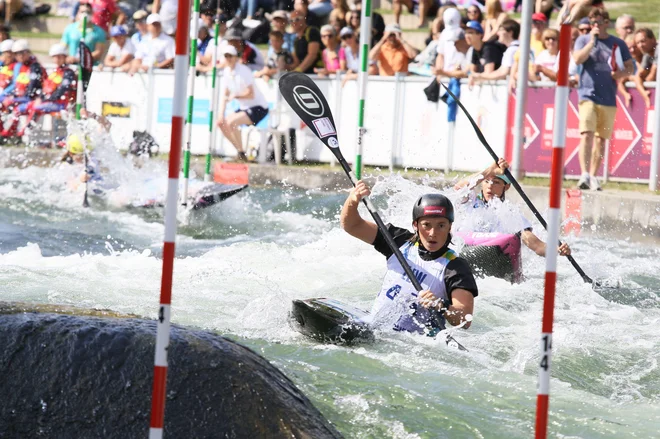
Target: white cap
[(5, 46), (57, 49), (20, 46), (228, 49), (153, 18), (452, 18), (393, 28)]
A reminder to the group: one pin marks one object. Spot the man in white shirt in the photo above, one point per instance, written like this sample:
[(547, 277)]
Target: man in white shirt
[(155, 52), (121, 51), (507, 34), (238, 83)]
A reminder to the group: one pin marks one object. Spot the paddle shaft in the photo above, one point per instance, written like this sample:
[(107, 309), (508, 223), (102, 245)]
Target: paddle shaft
[(515, 183), (379, 222)]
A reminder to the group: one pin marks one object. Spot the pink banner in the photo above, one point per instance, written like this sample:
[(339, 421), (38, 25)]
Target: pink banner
[(630, 145)]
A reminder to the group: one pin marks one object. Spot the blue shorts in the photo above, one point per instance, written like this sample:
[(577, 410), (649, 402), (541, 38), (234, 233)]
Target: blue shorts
[(256, 114)]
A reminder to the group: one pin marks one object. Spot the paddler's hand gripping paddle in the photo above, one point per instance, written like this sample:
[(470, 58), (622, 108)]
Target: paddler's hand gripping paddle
[(305, 98)]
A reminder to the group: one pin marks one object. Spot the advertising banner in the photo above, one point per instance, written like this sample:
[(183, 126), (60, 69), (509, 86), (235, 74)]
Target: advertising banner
[(629, 147)]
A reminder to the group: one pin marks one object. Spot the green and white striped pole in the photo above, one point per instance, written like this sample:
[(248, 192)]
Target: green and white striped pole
[(363, 76), (79, 87), (80, 91), (214, 101), (194, 18)]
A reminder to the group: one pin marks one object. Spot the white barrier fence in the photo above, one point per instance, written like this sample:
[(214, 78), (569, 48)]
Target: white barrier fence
[(402, 127)]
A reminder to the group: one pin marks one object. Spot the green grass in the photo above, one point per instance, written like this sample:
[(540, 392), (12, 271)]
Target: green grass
[(644, 11)]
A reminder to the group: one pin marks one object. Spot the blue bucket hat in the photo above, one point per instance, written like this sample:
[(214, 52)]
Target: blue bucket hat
[(475, 25), (118, 30)]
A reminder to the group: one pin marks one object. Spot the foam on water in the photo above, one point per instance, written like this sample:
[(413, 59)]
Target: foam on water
[(264, 248)]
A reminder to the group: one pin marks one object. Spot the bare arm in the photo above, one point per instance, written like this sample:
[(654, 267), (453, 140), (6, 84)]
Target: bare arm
[(581, 55), (374, 53), (350, 218), (500, 73), (165, 64), (410, 50), (99, 49), (551, 74), (476, 178), (156, 6), (248, 94), (533, 242), (462, 304)]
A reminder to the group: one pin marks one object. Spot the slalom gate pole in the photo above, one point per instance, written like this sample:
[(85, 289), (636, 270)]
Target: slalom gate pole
[(363, 77), (554, 218), (171, 206), (191, 97), (80, 98), (213, 130), (521, 88), (654, 175)]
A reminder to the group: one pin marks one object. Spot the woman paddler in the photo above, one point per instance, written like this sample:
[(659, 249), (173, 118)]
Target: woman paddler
[(447, 280), (494, 184)]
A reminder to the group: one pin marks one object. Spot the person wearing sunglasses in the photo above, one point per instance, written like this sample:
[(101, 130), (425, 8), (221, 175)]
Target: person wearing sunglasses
[(330, 55), (545, 65), (474, 14), (598, 53), (307, 46), (584, 26)]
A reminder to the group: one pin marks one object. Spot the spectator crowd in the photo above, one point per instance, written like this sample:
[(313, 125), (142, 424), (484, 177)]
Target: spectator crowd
[(476, 42)]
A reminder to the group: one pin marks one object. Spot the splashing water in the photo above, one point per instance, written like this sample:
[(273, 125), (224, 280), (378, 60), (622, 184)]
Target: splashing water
[(241, 262)]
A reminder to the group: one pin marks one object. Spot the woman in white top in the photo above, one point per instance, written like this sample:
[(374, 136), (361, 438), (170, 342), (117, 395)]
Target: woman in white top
[(121, 51), (544, 68), (238, 83)]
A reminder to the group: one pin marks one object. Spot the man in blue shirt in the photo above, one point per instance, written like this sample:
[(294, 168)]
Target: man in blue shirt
[(95, 37), (604, 59)]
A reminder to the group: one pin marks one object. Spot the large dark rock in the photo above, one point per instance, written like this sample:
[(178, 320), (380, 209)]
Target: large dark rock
[(89, 374)]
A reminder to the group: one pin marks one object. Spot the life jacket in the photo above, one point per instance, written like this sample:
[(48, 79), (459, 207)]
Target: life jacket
[(6, 75), (30, 79), (60, 85), (397, 301)]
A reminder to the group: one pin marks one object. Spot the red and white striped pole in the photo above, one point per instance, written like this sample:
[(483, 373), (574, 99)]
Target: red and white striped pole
[(554, 218), (171, 206)]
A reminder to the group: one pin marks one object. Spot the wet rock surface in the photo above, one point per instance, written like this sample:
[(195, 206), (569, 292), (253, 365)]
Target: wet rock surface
[(87, 374)]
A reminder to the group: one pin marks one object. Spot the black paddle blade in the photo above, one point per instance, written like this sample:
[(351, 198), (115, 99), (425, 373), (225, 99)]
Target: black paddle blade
[(305, 98)]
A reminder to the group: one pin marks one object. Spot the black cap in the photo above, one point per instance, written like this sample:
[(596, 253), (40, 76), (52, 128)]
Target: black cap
[(433, 205)]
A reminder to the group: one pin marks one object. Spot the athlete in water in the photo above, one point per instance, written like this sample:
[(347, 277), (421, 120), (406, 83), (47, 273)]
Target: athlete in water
[(447, 279), (494, 184)]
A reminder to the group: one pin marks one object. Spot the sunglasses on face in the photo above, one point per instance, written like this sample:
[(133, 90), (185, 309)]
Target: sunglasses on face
[(228, 55), (550, 39), (598, 22), (584, 30), (346, 37)]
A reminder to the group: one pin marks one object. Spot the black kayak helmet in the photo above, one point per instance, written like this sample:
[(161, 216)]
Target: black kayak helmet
[(433, 205)]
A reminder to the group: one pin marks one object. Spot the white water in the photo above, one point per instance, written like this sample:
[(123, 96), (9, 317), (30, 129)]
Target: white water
[(242, 262)]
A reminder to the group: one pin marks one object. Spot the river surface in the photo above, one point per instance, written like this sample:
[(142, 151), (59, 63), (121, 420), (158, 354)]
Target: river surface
[(240, 263)]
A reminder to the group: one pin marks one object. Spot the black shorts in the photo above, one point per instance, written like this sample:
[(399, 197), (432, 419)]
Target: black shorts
[(256, 114)]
